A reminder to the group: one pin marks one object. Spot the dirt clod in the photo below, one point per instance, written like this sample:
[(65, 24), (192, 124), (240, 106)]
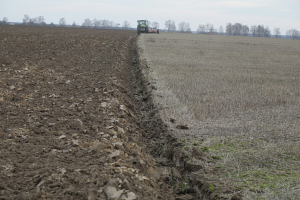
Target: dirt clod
[(110, 192), (172, 120), (198, 154), (184, 127)]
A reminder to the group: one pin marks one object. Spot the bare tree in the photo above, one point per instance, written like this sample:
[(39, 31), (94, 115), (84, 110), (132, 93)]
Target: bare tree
[(260, 30), (87, 23), (170, 25), (111, 24), (32, 22), (126, 25), (105, 23), (181, 27), (210, 28), (184, 27), (26, 19), (276, 32), (52, 24), (237, 29), (40, 21), (201, 29), (245, 30), (188, 30), (173, 26), (267, 32), (293, 34), (206, 29), (94, 23), (4, 21), (97, 23), (62, 22), (37, 21), (253, 30), (101, 24), (221, 30), (74, 25), (155, 25), (229, 30)]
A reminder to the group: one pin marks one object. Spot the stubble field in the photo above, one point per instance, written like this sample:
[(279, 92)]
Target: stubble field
[(240, 97)]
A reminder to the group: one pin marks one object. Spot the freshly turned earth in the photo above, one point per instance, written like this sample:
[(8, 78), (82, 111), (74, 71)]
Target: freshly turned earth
[(71, 126)]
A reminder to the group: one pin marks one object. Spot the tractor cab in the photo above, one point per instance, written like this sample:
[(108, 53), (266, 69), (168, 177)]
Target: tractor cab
[(142, 22), (142, 26)]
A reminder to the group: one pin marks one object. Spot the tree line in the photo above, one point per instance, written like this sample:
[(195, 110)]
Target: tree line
[(237, 29), (87, 23)]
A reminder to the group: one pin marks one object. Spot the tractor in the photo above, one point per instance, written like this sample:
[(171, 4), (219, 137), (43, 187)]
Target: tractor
[(143, 27)]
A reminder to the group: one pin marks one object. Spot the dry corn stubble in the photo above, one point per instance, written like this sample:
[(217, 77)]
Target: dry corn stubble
[(240, 96)]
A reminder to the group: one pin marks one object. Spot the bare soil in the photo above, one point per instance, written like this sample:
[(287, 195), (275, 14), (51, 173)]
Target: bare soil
[(74, 122)]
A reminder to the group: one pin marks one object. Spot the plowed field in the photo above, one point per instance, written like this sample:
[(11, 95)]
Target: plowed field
[(70, 127)]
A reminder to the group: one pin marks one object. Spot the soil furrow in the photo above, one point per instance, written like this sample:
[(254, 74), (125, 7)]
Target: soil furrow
[(72, 122)]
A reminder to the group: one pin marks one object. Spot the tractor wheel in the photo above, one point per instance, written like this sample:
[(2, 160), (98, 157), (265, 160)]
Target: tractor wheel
[(147, 30), (139, 32)]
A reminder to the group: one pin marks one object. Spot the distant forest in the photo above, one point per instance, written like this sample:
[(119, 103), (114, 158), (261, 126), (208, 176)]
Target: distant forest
[(236, 29)]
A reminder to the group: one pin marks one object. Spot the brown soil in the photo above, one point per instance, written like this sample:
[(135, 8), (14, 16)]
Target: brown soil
[(69, 124), (78, 121)]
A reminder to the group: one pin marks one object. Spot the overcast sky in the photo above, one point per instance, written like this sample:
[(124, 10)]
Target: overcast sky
[(273, 13)]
